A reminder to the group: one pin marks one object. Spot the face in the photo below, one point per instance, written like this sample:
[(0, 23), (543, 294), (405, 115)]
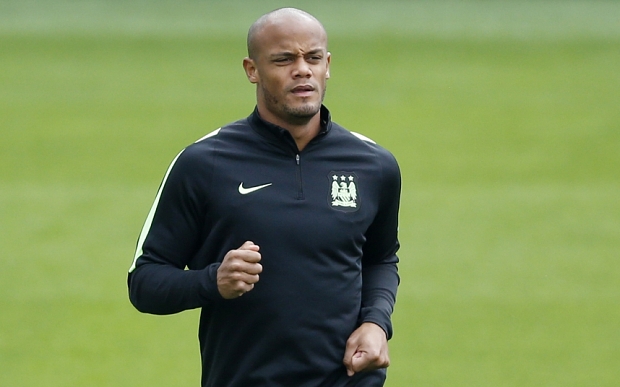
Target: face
[(290, 69)]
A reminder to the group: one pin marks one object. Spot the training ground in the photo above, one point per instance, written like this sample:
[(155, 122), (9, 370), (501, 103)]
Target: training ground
[(504, 116)]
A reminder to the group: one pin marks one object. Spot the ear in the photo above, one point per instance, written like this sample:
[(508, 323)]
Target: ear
[(250, 70), (329, 60)]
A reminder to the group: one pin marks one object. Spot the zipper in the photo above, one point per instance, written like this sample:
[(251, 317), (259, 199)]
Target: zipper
[(300, 186)]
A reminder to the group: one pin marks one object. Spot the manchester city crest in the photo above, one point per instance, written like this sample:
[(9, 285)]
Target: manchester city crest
[(344, 195)]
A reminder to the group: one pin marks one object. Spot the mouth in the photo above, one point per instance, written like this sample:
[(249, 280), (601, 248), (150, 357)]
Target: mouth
[(303, 90)]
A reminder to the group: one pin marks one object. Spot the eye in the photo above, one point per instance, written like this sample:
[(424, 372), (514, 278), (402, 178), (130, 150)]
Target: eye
[(282, 60)]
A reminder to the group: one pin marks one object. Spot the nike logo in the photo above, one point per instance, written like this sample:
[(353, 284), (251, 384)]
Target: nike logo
[(245, 191)]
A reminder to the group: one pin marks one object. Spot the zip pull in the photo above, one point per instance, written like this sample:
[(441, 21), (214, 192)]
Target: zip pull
[(297, 159)]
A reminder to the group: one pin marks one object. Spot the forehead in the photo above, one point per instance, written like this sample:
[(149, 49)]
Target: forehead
[(291, 34)]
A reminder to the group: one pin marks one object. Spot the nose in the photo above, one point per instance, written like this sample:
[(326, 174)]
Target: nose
[(302, 69)]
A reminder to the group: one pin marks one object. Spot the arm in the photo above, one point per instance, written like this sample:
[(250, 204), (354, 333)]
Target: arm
[(367, 347), (171, 236), (164, 289), (158, 282), (379, 264)]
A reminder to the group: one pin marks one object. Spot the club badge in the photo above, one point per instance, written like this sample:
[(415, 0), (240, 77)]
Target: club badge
[(343, 193)]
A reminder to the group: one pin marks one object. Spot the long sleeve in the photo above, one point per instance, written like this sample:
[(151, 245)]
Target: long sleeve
[(165, 289), (379, 266), (158, 282)]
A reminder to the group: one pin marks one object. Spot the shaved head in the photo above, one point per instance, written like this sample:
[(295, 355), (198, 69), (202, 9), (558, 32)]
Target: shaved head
[(288, 61), (276, 17)]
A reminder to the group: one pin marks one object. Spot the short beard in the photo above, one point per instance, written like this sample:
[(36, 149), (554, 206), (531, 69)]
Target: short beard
[(296, 116), (301, 115)]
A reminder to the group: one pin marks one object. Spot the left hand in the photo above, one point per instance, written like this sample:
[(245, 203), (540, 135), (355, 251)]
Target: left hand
[(367, 349)]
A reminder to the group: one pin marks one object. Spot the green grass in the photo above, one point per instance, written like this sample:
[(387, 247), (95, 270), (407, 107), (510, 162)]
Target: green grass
[(503, 115)]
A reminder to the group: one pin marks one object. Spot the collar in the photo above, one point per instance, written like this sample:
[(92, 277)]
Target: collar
[(274, 132)]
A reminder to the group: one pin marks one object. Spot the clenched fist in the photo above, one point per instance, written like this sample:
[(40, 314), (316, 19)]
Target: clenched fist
[(367, 349), (239, 271)]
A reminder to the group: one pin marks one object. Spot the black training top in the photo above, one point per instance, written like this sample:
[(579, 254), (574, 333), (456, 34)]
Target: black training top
[(326, 222)]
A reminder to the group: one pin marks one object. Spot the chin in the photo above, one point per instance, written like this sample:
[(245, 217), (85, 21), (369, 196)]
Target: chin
[(304, 111)]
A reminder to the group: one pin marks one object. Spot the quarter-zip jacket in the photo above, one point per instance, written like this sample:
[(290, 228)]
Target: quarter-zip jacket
[(326, 222)]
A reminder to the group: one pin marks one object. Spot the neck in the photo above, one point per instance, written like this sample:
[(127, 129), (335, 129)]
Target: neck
[(302, 131)]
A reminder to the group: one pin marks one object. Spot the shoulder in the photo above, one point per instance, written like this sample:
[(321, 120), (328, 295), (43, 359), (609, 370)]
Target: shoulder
[(198, 157), (206, 146), (365, 147), (221, 135), (383, 164)]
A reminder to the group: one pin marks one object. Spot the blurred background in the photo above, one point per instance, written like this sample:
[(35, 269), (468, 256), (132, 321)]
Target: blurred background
[(504, 116)]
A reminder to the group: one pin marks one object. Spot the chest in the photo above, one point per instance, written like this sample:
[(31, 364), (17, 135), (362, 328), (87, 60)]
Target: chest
[(316, 198)]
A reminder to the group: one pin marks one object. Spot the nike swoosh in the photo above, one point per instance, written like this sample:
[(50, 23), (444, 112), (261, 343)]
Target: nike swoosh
[(245, 191)]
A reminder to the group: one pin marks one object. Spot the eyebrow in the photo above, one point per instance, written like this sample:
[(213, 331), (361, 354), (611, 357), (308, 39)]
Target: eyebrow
[(289, 53)]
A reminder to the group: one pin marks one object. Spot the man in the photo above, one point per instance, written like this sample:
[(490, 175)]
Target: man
[(281, 227)]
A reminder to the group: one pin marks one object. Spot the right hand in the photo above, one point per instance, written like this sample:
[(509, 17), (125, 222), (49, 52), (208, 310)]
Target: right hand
[(239, 271)]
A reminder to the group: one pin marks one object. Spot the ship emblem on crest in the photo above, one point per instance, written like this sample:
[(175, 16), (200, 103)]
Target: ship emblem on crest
[(344, 195)]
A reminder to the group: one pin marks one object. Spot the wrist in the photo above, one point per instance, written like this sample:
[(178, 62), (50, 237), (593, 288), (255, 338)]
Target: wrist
[(209, 289)]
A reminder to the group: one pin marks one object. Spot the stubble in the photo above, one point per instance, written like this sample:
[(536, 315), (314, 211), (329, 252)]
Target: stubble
[(296, 115)]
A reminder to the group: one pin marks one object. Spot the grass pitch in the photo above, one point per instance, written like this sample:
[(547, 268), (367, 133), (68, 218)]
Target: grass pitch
[(503, 115)]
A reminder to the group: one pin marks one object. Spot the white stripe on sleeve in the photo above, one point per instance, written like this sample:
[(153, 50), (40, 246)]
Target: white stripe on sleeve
[(149, 219), (362, 137)]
